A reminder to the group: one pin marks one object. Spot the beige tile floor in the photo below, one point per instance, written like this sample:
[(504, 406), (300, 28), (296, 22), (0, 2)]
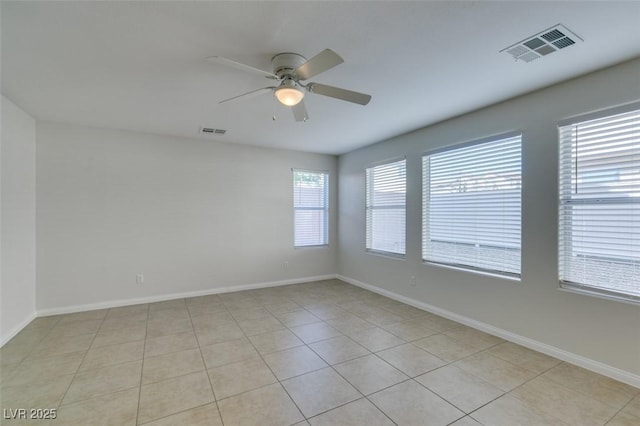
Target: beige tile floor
[(323, 353)]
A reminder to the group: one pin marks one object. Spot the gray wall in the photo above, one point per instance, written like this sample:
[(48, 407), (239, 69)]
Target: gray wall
[(598, 329), (18, 220), (191, 215)]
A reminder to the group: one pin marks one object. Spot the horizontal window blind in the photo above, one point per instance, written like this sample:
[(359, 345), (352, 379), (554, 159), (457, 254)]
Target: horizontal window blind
[(386, 199), (310, 208), (471, 206), (599, 217)]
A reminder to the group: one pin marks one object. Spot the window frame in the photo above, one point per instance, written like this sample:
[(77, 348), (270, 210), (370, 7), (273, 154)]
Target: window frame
[(565, 202), (324, 209), (369, 209), (426, 190)]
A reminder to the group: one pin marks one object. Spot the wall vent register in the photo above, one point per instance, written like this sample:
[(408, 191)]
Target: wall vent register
[(212, 131), (542, 44)]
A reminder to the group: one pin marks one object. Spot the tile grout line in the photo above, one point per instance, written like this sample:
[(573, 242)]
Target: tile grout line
[(144, 349), (204, 363), (269, 367), (447, 363), (371, 353), (35, 346), (409, 378), (509, 392), (301, 296), (581, 394), (81, 362), (330, 365), (577, 392), (366, 396), (78, 369), (289, 328), (29, 352), (182, 375), (363, 396), (392, 366), (637, 395)]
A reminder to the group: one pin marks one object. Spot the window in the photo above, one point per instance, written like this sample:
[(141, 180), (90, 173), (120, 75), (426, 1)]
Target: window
[(471, 206), (599, 229), (310, 208), (386, 208)]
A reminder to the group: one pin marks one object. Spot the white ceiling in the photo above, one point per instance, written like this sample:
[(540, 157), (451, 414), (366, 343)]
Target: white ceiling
[(140, 65)]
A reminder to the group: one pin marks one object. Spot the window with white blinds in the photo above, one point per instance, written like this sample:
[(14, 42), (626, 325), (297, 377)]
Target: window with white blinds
[(471, 205), (599, 229), (386, 199), (310, 208)]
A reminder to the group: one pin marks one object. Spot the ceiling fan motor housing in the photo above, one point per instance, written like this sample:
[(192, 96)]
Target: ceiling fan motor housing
[(285, 63)]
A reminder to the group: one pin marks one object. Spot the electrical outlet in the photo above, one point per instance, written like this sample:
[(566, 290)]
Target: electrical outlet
[(285, 265), (139, 278), (412, 280)]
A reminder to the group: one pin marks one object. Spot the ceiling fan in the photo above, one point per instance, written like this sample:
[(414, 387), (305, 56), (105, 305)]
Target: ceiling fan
[(289, 71)]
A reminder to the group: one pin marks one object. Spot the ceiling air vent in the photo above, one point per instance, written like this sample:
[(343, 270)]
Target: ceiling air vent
[(212, 131), (545, 42)]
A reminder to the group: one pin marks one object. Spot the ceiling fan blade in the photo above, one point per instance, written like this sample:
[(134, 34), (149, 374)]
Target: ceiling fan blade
[(323, 61), (336, 92), (250, 94), (300, 111), (243, 67)]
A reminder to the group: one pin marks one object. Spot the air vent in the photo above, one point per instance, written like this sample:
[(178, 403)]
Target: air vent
[(552, 35), (563, 42), (212, 131), (541, 44)]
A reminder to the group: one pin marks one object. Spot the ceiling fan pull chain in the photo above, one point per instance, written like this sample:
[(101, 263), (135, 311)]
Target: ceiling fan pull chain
[(273, 108)]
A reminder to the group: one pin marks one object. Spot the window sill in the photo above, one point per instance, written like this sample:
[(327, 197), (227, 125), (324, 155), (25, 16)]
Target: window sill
[(386, 254), (475, 271), (631, 300), (320, 246)]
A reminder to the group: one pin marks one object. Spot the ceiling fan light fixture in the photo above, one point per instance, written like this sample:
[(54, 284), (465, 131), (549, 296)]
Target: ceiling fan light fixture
[(288, 93)]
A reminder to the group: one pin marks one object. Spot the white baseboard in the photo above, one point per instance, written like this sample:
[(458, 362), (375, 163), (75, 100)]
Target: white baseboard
[(17, 329), (161, 298), (587, 363)]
